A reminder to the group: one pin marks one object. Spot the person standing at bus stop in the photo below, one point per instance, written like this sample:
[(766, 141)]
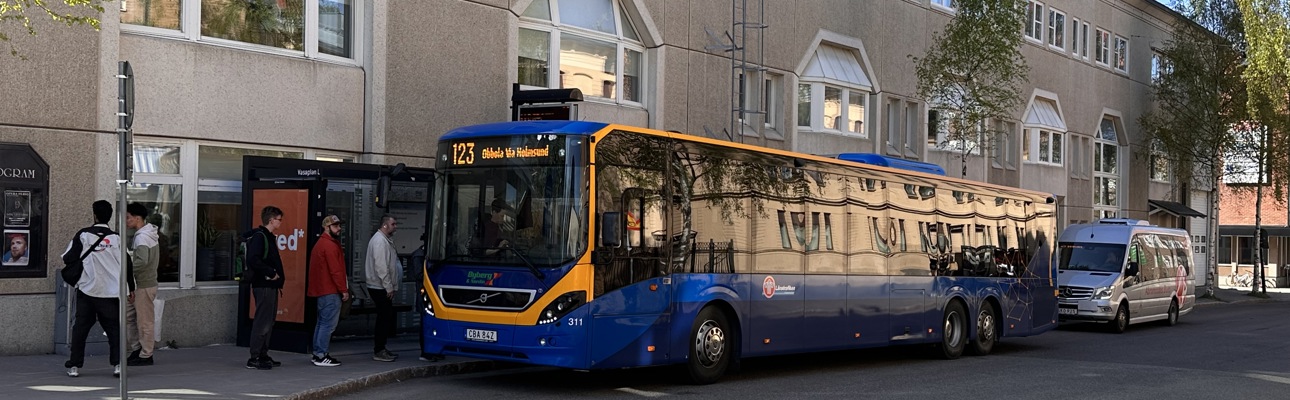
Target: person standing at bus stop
[(327, 282), (266, 276), (384, 273), (140, 315)]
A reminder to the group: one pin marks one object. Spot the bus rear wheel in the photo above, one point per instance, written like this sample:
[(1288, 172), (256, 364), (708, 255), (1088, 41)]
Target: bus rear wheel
[(954, 335), (711, 341), (987, 331)]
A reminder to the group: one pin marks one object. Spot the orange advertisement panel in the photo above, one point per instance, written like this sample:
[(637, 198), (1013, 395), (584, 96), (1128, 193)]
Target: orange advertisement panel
[(292, 246)]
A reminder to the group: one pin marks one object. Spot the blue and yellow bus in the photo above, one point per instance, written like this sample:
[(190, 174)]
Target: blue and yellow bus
[(587, 246)]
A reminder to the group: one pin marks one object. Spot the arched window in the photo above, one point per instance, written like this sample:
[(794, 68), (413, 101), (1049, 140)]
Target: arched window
[(590, 45), (1106, 169)]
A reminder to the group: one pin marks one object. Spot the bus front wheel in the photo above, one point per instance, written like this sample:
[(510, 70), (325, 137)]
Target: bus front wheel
[(954, 335), (711, 340)]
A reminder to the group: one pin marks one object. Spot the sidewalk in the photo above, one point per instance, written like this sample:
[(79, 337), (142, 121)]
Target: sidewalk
[(1227, 294), (219, 372)]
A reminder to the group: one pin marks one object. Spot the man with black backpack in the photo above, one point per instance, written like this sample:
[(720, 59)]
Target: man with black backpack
[(93, 267), (264, 272)]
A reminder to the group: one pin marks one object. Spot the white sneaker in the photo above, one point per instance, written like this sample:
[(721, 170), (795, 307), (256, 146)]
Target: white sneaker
[(117, 372), (73, 372)]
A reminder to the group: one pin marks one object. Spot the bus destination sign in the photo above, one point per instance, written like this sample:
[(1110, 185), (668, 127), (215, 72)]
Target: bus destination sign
[(546, 149)]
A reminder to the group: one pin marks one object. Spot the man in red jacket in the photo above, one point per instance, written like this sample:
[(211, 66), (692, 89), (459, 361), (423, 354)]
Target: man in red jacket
[(327, 282)]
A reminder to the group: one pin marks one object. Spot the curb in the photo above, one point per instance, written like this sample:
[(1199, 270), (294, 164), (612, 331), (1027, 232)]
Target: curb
[(388, 377)]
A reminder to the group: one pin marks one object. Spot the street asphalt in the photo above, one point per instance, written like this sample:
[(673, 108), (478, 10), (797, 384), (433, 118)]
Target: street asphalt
[(219, 371)]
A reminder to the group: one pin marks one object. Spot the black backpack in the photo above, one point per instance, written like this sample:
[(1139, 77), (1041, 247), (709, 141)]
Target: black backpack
[(240, 270), (72, 272)]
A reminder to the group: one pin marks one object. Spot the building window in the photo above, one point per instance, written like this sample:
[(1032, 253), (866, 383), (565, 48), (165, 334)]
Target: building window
[(946, 4), (1056, 28), (770, 102), (941, 135), (1160, 66), (1005, 144), (156, 13), (1159, 164), (1102, 47), (590, 45), (1035, 14), (312, 28), (1083, 42), (1049, 145), (902, 121), (1106, 171), (1121, 54), (833, 89), (1045, 133)]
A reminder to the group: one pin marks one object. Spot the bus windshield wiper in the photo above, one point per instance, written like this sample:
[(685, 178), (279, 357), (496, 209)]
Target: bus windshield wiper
[(536, 272)]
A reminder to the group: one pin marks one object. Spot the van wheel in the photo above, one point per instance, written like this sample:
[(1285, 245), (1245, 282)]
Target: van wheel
[(987, 331), (1173, 313), (710, 346), (1121, 321), (954, 335)]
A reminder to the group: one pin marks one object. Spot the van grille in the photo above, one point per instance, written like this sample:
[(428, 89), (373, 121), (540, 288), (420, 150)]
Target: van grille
[(1074, 292)]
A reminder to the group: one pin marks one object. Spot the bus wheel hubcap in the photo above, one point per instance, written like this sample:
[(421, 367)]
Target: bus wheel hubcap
[(986, 327), (709, 343)]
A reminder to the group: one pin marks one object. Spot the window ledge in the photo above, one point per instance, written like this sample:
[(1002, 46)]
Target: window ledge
[(851, 135)]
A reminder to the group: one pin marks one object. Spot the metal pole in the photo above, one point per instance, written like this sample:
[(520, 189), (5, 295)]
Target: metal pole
[(123, 158)]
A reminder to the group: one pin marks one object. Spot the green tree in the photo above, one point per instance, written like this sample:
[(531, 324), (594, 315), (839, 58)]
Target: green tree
[(974, 72), (1199, 100), (74, 12), (1267, 77)]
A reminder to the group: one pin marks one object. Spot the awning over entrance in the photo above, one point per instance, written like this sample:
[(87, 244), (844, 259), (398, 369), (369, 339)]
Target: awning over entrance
[(1248, 230), (1174, 208)]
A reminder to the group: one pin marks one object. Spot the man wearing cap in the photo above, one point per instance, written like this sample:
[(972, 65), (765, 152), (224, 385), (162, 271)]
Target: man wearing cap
[(327, 282)]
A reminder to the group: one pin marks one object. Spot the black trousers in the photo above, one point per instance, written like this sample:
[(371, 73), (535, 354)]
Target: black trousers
[(266, 312), (384, 318), (106, 312)]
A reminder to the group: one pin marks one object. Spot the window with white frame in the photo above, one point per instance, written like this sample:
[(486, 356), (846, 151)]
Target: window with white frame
[(1075, 36), (590, 45), (759, 100), (1083, 42), (770, 95), (1121, 54), (1159, 163), (1159, 66), (946, 4), (312, 28), (1102, 47), (941, 134), (902, 120), (1056, 28), (832, 93), (1045, 133), (1005, 144), (1035, 18), (1106, 168)]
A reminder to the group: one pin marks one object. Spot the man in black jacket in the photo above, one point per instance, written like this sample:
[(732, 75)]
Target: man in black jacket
[(266, 276)]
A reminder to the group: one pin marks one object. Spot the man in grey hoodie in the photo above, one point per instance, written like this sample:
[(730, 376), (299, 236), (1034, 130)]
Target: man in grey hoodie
[(384, 273), (140, 313)]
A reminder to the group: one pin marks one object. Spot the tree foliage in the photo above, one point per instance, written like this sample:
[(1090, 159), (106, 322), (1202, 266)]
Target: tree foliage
[(1199, 93), (974, 70), (74, 12), (1267, 77)]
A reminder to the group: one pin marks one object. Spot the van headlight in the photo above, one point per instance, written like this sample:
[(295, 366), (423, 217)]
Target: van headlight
[(1103, 293), (561, 306)]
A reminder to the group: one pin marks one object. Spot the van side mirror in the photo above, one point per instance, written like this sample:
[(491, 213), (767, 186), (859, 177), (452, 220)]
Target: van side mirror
[(611, 232), (1132, 269)]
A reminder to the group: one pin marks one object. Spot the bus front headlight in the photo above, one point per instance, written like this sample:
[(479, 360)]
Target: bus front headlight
[(1103, 293), (427, 307), (561, 306)]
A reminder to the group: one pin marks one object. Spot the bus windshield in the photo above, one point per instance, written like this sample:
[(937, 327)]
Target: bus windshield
[(1096, 257), (515, 213)]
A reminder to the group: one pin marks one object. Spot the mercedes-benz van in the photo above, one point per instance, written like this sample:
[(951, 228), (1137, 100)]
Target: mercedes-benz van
[(1124, 271)]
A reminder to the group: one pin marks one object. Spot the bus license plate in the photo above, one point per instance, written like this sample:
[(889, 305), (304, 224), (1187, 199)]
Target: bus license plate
[(1068, 311), (480, 335)]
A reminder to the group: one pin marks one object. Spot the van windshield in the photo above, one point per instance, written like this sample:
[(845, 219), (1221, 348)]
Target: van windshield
[(1098, 257)]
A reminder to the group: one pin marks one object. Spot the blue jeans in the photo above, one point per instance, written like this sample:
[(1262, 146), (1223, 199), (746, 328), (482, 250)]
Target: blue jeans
[(328, 315)]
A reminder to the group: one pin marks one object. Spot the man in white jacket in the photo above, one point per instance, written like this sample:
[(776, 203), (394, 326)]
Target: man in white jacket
[(384, 273), (99, 249)]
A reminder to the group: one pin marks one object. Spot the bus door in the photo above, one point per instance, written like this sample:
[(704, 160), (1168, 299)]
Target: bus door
[(633, 288)]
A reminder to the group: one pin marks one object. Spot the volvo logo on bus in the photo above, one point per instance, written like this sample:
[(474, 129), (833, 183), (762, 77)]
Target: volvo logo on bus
[(483, 298)]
